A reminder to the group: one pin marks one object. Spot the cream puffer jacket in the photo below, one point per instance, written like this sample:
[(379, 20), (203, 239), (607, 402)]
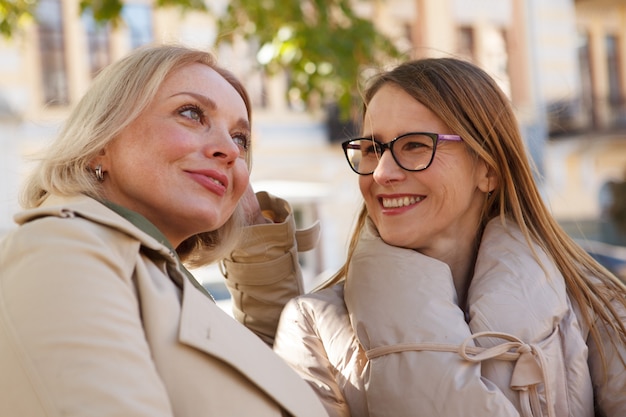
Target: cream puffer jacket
[(392, 340)]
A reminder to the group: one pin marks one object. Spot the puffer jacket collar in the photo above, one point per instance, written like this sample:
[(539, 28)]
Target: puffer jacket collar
[(400, 300)]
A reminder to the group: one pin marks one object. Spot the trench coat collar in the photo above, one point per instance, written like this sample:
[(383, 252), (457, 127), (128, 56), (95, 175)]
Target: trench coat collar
[(124, 220), (91, 209)]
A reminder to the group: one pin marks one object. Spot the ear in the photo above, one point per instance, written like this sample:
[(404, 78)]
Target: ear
[(101, 159), (487, 178)]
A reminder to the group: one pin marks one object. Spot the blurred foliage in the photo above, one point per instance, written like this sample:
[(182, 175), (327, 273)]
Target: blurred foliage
[(14, 14), (321, 44)]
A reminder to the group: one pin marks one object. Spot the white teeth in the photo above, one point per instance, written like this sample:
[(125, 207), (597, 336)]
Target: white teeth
[(216, 181), (400, 202)]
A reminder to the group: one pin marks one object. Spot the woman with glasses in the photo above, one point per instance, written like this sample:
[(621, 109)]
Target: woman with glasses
[(461, 295)]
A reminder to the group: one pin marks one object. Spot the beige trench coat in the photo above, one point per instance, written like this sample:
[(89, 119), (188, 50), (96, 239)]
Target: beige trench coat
[(97, 318)]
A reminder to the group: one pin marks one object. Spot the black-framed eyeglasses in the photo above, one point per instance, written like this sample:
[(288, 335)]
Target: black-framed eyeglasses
[(412, 151)]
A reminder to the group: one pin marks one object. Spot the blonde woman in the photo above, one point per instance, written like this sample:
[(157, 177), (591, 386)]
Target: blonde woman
[(98, 314)]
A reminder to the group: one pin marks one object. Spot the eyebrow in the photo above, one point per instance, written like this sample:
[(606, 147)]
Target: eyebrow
[(212, 105), (206, 101)]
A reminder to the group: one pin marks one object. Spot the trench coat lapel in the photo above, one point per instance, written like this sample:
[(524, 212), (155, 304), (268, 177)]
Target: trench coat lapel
[(207, 328)]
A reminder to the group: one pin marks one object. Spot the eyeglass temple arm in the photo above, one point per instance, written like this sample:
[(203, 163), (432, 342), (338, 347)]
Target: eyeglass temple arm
[(448, 137)]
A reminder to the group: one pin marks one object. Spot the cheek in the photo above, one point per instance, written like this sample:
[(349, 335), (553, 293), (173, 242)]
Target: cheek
[(365, 181), (241, 177), (168, 139), (371, 202), (458, 195)]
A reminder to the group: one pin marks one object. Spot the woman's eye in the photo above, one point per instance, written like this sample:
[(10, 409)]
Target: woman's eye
[(193, 113), (243, 141), (414, 145), (371, 150)]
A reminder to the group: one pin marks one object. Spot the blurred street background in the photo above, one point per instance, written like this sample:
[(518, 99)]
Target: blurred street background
[(562, 63)]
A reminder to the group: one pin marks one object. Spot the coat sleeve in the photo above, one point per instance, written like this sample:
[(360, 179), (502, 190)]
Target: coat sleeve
[(610, 381), (403, 308), (299, 343), (263, 273), (71, 335)]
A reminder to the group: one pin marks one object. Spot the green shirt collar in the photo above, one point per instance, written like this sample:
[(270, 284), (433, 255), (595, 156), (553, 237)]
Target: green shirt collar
[(140, 221), (147, 227)]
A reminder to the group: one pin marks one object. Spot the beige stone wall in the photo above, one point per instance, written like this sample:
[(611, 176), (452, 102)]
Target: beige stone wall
[(575, 170)]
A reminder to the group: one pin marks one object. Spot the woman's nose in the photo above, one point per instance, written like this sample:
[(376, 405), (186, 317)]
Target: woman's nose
[(387, 169), (221, 145)]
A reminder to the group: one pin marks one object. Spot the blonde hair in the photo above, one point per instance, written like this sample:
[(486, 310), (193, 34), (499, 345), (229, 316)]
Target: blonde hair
[(475, 108), (117, 96)]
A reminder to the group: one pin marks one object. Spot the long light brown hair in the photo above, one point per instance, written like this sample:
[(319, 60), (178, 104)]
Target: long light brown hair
[(116, 97), (474, 107)]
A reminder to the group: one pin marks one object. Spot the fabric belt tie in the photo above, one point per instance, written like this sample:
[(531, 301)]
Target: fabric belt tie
[(529, 370)]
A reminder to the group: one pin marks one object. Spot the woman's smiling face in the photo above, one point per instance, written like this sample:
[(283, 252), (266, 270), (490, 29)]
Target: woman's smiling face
[(182, 162), (433, 210)]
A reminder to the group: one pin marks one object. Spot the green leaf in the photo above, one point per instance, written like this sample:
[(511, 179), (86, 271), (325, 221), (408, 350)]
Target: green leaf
[(322, 44), (14, 14)]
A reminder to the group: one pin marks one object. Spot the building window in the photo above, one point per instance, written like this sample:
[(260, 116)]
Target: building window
[(138, 18), (52, 51), (97, 42), (494, 57), (466, 43), (587, 95), (614, 79)]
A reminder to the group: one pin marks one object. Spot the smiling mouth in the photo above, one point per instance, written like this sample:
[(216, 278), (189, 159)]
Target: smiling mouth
[(211, 180), (215, 181), (400, 202)]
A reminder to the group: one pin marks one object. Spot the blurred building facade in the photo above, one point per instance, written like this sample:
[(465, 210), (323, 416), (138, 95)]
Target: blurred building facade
[(562, 62)]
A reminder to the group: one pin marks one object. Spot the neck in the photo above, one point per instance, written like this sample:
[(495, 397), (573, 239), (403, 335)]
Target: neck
[(462, 276), (462, 268)]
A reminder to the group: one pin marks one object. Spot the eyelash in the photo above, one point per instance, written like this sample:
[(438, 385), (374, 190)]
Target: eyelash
[(193, 107), (245, 137)]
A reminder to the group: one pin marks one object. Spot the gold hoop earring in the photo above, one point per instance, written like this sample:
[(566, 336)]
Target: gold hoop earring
[(99, 173)]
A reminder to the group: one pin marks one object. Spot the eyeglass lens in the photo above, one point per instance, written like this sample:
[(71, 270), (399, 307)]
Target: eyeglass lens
[(411, 152)]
